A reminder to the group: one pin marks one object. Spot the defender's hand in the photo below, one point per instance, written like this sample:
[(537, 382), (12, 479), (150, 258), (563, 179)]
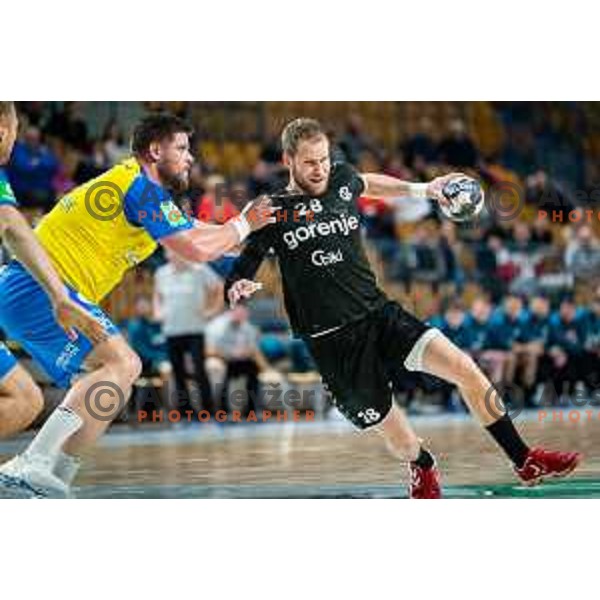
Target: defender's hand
[(71, 316), (242, 289)]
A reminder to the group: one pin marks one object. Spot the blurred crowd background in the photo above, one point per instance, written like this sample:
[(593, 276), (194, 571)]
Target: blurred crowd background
[(520, 288)]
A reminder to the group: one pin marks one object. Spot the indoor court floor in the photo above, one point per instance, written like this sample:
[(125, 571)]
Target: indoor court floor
[(321, 460)]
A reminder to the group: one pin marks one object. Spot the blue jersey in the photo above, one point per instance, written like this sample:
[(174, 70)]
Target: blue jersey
[(504, 330), (7, 195), (591, 331), (478, 334), (534, 329), (570, 337)]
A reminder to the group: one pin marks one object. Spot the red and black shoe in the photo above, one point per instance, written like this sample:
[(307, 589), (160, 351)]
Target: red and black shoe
[(541, 464), (424, 483)]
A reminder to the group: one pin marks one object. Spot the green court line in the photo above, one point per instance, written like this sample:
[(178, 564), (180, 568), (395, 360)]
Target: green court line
[(572, 488)]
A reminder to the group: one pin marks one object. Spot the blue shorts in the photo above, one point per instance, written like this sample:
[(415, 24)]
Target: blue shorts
[(7, 361), (26, 317)]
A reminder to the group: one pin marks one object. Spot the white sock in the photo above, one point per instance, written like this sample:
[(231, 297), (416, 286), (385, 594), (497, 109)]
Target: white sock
[(67, 467), (59, 427)]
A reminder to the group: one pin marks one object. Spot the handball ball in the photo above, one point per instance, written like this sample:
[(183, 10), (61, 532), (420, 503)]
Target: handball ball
[(465, 199)]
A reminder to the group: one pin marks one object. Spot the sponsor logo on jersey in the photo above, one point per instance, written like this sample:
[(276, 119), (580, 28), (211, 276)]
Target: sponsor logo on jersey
[(320, 258), (172, 213), (6, 192), (343, 225), (345, 193)]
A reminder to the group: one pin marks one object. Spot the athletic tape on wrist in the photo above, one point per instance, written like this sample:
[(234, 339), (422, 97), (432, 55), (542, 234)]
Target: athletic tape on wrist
[(418, 190), (242, 227)]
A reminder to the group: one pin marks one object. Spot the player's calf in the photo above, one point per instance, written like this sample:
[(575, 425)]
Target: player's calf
[(21, 402), (102, 394)]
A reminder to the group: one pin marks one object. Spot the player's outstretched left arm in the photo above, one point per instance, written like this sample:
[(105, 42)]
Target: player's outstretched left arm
[(385, 187)]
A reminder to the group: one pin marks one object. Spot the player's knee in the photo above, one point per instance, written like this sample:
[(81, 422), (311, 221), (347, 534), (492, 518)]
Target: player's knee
[(127, 364), (133, 365)]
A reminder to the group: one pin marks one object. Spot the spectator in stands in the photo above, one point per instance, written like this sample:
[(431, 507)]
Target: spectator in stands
[(92, 165), (69, 125), (481, 339), (355, 141), (547, 194), (235, 340), (505, 328), (300, 357), (541, 233), (454, 324), (32, 168), (113, 142), (451, 247), (491, 256), (379, 221), (566, 346), (525, 259), (457, 148), (426, 261), (590, 361), (215, 206), (268, 173), (145, 335), (518, 153), (582, 255), (420, 150), (530, 348), (187, 296)]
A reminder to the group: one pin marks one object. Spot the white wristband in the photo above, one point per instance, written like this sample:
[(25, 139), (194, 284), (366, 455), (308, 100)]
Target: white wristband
[(418, 190), (242, 227)]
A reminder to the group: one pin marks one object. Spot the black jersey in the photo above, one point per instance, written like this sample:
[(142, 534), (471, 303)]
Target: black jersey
[(327, 279)]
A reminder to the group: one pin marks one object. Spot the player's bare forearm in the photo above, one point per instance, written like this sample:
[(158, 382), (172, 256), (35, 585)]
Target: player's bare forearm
[(206, 242), (203, 243), (21, 240), (385, 187)]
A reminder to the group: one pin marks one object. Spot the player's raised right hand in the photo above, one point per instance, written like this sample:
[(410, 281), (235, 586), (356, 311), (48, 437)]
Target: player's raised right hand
[(260, 212), (242, 289)]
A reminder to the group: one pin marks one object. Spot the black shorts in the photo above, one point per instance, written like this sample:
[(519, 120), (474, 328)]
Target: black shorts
[(357, 361)]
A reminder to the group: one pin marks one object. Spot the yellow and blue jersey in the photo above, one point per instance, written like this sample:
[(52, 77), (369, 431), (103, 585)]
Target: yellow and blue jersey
[(100, 230), (93, 236), (7, 195)]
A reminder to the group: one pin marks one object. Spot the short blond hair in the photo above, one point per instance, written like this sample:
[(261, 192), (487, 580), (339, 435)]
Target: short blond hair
[(299, 130), (7, 108)]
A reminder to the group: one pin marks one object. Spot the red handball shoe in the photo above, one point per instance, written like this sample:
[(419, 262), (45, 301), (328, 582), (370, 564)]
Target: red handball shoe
[(541, 464), (424, 483)]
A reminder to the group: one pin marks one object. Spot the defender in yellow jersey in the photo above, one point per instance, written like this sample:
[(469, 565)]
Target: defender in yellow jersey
[(93, 236)]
